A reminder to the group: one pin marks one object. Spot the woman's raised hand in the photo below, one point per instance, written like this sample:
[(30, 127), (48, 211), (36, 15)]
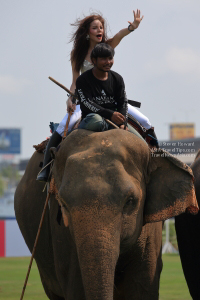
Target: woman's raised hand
[(137, 20)]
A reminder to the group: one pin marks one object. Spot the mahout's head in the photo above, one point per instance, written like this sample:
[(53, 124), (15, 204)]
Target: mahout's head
[(102, 56)]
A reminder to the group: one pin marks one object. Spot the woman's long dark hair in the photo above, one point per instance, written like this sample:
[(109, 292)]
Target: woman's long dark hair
[(80, 43)]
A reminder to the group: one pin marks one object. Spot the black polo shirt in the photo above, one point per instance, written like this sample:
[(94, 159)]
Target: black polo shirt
[(102, 97)]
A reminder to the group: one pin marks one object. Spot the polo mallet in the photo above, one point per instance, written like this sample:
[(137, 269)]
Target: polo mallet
[(67, 124), (70, 113), (35, 244)]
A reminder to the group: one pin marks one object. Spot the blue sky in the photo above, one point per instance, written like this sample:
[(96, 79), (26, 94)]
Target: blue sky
[(160, 61)]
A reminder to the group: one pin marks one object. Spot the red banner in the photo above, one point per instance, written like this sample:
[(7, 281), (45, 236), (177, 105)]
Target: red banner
[(2, 238)]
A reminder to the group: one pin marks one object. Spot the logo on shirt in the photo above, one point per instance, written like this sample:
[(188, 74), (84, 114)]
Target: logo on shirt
[(103, 92), (103, 98)]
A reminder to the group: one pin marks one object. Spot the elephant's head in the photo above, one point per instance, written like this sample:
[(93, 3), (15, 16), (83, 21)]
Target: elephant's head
[(110, 184)]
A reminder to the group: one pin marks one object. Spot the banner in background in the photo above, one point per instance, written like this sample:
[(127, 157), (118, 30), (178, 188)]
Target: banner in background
[(10, 141), (179, 131)]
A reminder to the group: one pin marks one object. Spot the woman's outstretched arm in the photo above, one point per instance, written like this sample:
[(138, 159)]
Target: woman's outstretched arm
[(124, 32)]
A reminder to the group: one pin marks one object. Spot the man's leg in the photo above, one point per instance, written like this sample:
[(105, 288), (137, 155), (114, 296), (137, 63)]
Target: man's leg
[(94, 122), (133, 130), (151, 137)]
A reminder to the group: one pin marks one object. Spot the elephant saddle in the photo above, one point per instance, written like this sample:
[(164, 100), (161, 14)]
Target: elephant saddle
[(131, 121)]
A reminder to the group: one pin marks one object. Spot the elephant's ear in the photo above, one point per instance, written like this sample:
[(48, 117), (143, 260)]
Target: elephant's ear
[(170, 190)]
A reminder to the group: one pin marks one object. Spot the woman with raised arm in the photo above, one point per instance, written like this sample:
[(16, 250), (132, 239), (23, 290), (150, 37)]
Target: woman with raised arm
[(90, 31)]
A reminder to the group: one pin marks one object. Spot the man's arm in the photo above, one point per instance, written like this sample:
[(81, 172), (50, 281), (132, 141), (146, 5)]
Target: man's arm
[(122, 101)]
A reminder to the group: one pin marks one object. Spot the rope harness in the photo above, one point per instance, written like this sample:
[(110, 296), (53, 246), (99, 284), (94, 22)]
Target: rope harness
[(54, 191)]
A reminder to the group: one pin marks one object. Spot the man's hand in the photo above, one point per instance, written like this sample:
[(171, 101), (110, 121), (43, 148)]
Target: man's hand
[(70, 106), (122, 127), (117, 118), (137, 20)]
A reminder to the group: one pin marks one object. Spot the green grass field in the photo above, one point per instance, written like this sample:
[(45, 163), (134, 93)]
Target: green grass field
[(13, 272), (12, 275), (173, 285)]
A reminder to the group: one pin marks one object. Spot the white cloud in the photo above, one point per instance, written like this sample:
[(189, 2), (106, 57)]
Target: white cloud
[(182, 61), (12, 85)]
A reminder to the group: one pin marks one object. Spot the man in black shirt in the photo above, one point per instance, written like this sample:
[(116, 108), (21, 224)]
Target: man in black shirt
[(101, 92), (102, 96)]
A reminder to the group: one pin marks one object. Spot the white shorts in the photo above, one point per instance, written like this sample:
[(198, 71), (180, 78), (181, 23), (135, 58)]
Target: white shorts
[(144, 121), (75, 116)]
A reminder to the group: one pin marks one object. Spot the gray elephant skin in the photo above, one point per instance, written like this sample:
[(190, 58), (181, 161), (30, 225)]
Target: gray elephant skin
[(115, 195), (187, 231)]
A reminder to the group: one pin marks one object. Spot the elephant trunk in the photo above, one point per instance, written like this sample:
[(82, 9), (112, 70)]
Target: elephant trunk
[(98, 245)]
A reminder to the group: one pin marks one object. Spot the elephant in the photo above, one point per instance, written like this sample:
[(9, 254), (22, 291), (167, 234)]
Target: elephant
[(187, 231), (115, 192)]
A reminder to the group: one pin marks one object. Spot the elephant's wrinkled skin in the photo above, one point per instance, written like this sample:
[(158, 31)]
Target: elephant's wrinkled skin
[(187, 231), (110, 187)]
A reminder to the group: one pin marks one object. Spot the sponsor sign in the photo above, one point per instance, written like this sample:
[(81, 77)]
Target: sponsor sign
[(179, 131), (10, 141)]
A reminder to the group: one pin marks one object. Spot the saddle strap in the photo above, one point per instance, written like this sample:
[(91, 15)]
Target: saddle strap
[(137, 126)]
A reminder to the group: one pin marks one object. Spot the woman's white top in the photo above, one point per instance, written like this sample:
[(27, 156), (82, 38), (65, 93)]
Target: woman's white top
[(86, 66)]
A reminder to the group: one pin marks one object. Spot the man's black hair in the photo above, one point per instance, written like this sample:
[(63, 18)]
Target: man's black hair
[(102, 50)]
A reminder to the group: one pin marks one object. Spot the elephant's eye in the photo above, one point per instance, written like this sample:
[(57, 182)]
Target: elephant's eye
[(130, 201), (129, 205)]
